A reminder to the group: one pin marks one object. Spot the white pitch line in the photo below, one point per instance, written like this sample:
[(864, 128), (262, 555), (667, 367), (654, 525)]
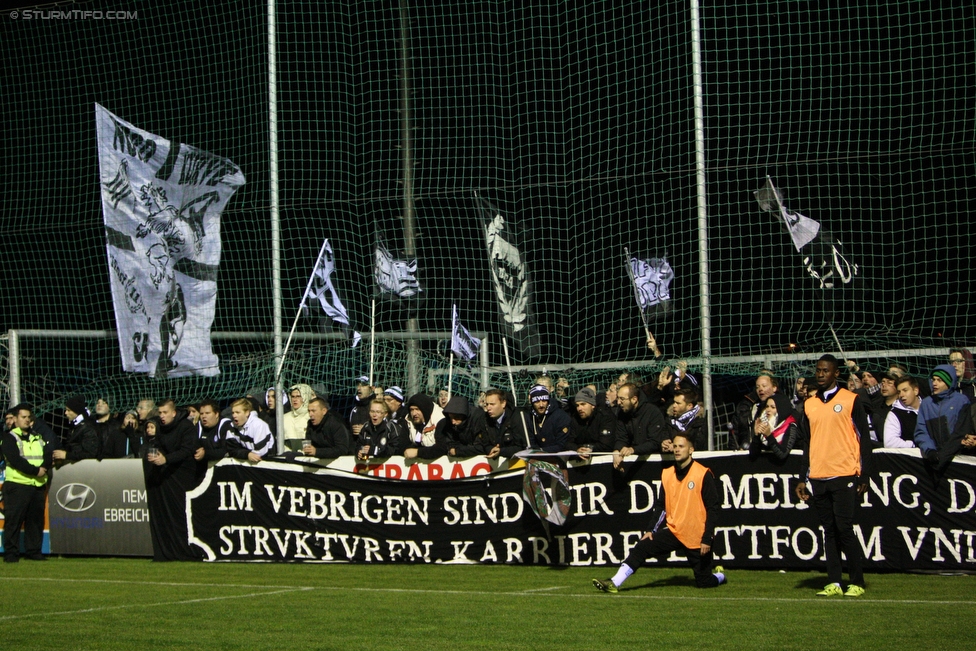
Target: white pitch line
[(596, 595), (160, 603), (164, 583), (543, 592)]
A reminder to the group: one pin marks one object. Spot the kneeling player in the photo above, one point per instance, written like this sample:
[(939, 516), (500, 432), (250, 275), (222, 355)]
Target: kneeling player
[(691, 502)]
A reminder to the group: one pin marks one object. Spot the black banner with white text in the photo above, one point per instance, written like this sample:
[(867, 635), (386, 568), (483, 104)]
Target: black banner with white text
[(287, 512)]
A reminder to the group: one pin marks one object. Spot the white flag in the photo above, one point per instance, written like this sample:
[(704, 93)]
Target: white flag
[(802, 229), (320, 288), (397, 277), (463, 344), (652, 283), (161, 204)]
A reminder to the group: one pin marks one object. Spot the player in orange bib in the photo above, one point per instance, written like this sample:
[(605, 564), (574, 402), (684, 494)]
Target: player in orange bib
[(691, 503), (837, 454)]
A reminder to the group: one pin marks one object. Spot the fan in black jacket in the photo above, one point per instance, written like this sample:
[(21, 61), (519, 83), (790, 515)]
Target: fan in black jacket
[(115, 443), (504, 425), (170, 471), (377, 438), (593, 426), (549, 423), (465, 427), (83, 441), (643, 429), (688, 417), (327, 434), (212, 430)]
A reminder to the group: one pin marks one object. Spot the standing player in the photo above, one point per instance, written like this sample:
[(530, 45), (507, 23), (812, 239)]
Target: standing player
[(691, 502), (837, 454)]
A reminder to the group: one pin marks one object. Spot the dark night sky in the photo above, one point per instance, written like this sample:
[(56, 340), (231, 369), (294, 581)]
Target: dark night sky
[(576, 120)]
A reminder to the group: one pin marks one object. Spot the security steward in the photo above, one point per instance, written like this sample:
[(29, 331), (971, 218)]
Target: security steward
[(25, 487)]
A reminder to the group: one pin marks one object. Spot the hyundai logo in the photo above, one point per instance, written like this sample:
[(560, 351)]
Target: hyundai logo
[(76, 497)]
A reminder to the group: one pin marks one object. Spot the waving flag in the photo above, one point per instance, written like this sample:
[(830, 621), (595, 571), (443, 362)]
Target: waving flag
[(161, 205), (510, 278), (802, 229), (463, 344), (652, 282), (320, 288), (823, 258), (397, 277)]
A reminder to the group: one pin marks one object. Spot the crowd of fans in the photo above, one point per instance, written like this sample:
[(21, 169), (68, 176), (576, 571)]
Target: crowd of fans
[(931, 413), (889, 408), (628, 417)]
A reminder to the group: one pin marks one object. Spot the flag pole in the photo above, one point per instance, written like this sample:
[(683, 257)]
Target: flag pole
[(450, 376), (837, 341), (651, 341), (372, 340), (301, 305), (511, 382)]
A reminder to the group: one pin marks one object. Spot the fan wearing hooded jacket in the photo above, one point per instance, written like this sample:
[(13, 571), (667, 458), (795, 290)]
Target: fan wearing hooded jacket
[(423, 440), (465, 428), (938, 415), (776, 428), (296, 420)]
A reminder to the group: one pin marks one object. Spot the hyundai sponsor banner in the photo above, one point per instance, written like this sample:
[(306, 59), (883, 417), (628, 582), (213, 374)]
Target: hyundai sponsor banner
[(99, 508), (288, 512)]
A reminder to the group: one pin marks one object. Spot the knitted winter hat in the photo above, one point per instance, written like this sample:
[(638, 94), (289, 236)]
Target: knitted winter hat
[(587, 395), (538, 393), (395, 392), (77, 404)]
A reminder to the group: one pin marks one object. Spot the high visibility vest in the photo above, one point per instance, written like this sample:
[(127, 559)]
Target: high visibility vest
[(32, 450), (685, 510), (835, 449)]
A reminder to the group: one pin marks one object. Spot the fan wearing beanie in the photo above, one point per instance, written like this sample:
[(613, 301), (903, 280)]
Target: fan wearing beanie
[(938, 415), (549, 427)]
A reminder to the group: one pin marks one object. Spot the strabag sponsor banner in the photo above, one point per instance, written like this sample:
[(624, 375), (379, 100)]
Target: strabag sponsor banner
[(161, 203), (99, 508), (286, 512)]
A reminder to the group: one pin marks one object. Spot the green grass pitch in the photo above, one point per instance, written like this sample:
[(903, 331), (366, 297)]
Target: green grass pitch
[(74, 603)]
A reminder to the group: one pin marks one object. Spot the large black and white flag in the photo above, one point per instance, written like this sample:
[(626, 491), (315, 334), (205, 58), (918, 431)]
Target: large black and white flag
[(652, 285), (321, 289), (510, 278), (823, 254), (161, 204), (463, 344), (393, 276), (827, 263)]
